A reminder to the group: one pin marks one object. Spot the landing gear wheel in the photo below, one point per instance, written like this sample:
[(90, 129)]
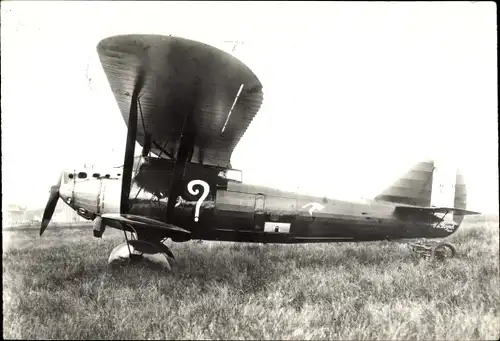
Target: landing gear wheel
[(165, 249), (133, 251), (167, 252), (433, 249), (442, 251)]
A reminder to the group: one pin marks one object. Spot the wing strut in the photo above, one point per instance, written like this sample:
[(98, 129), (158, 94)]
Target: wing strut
[(162, 149), (147, 145), (147, 136), (130, 146), (184, 154)]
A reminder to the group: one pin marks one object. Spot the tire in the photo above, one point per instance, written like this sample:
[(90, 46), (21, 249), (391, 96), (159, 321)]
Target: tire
[(436, 251)]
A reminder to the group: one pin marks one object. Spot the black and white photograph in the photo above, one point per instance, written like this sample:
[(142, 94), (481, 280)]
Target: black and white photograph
[(251, 170)]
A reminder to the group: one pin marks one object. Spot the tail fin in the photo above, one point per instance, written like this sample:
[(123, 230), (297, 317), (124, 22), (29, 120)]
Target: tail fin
[(429, 184), (413, 188)]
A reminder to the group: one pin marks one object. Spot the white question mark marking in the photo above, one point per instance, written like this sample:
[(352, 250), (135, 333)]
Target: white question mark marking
[(206, 190)]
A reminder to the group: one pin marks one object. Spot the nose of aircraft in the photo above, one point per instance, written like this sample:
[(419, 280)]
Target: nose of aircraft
[(66, 189)]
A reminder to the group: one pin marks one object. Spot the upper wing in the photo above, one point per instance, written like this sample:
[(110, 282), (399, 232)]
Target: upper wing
[(183, 77)]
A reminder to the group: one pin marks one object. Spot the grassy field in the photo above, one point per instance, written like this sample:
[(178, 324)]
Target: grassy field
[(60, 286)]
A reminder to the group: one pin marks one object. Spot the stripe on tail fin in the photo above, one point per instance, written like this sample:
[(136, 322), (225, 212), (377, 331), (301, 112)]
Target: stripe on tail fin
[(460, 197), (443, 185), (430, 187), (413, 188)]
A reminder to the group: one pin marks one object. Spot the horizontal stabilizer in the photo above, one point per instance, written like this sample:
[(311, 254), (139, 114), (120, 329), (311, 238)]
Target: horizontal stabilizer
[(423, 209), (138, 221)]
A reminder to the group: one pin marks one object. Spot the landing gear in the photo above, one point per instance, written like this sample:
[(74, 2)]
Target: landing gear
[(132, 251), (435, 250)]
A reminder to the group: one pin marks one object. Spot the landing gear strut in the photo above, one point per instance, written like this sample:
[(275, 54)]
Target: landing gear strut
[(435, 250)]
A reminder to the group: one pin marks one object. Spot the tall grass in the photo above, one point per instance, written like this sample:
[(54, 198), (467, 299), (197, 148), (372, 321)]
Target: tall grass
[(60, 286)]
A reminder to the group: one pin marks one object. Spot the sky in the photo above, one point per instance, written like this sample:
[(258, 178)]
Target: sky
[(354, 92)]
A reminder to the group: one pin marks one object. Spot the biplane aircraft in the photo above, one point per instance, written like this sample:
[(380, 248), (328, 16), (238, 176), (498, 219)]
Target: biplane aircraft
[(188, 104)]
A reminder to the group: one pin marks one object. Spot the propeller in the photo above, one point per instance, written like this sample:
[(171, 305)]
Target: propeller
[(51, 205), (131, 138)]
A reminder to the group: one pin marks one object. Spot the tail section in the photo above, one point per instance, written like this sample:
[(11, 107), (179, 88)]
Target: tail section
[(438, 187)]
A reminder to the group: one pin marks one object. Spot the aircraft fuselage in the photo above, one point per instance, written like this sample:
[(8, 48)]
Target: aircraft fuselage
[(212, 207)]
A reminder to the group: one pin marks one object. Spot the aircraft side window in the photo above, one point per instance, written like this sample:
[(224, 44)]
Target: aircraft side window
[(96, 175), (70, 176), (82, 175), (231, 174), (107, 176)]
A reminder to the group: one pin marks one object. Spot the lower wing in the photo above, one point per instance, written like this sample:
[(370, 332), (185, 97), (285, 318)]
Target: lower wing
[(141, 224)]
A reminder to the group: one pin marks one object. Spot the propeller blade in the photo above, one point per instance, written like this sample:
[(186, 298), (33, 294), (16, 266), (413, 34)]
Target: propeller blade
[(51, 205), (130, 146)]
